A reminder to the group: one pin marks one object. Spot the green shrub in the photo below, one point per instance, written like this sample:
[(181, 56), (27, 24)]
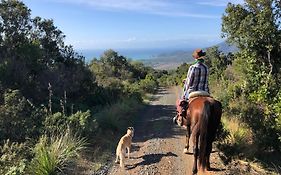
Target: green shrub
[(55, 123), (13, 160), (19, 118), (239, 133), (54, 153), (133, 88), (80, 122), (149, 84), (118, 116)]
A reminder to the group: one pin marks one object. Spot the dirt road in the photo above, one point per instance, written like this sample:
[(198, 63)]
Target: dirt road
[(158, 143)]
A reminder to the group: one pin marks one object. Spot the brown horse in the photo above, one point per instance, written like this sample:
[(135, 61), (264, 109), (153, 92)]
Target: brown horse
[(201, 120)]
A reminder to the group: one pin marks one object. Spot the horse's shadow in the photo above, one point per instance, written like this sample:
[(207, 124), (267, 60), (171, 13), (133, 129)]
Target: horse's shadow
[(149, 159), (217, 169)]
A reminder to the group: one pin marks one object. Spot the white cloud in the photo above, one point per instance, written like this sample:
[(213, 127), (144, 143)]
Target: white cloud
[(132, 5), (219, 3), (129, 40), (175, 8)]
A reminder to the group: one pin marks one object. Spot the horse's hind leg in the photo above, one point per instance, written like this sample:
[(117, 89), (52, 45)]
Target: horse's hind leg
[(195, 153), (187, 136), (208, 163), (208, 151)]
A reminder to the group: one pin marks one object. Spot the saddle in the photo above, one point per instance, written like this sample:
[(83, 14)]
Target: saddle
[(199, 94)]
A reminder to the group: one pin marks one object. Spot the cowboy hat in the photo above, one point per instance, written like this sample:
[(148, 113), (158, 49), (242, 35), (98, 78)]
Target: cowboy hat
[(198, 53)]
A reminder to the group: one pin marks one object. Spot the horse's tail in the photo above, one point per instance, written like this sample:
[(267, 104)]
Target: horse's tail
[(204, 122)]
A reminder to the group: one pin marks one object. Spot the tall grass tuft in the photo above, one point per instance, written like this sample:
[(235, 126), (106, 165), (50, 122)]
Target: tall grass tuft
[(239, 138), (54, 153), (239, 134)]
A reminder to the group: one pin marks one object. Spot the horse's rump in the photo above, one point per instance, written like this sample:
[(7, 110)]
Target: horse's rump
[(207, 112), (202, 119)]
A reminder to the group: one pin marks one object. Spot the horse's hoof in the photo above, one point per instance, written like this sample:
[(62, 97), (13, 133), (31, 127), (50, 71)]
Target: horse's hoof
[(194, 171), (185, 150)]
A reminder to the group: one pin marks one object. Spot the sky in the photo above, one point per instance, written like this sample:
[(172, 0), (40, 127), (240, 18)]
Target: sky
[(135, 24)]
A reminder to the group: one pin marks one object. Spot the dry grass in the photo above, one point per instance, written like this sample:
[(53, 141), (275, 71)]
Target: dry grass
[(240, 136), (239, 133)]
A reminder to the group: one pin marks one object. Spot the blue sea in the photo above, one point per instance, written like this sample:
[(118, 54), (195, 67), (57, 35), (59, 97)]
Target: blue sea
[(134, 54)]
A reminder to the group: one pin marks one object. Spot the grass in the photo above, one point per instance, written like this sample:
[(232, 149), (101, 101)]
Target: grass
[(239, 139), (239, 147), (53, 154), (119, 116), (239, 133)]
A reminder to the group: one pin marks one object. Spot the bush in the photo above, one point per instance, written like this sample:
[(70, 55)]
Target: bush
[(118, 116), (19, 119), (54, 153), (13, 160), (80, 122), (149, 84), (239, 134)]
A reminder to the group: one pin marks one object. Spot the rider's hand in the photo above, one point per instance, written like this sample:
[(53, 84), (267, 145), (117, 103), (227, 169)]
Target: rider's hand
[(183, 97)]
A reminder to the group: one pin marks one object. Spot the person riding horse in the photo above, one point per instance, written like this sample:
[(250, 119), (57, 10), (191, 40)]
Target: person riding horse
[(197, 77), (198, 112)]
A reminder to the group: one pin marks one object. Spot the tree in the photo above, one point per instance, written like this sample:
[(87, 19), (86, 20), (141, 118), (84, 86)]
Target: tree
[(255, 29), (217, 62), (33, 54)]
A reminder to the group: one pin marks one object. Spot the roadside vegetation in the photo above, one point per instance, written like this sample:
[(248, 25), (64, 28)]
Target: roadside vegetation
[(58, 112), (56, 109)]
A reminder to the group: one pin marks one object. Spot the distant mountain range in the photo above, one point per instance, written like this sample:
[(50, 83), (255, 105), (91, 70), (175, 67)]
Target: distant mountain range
[(171, 60), (226, 48)]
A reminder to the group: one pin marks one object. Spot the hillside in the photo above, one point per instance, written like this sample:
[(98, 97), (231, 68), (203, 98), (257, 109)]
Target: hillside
[(226, 48), (171, 60)]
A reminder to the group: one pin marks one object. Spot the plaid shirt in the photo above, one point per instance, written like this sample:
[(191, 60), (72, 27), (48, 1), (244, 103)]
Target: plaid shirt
[(197, 79)]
